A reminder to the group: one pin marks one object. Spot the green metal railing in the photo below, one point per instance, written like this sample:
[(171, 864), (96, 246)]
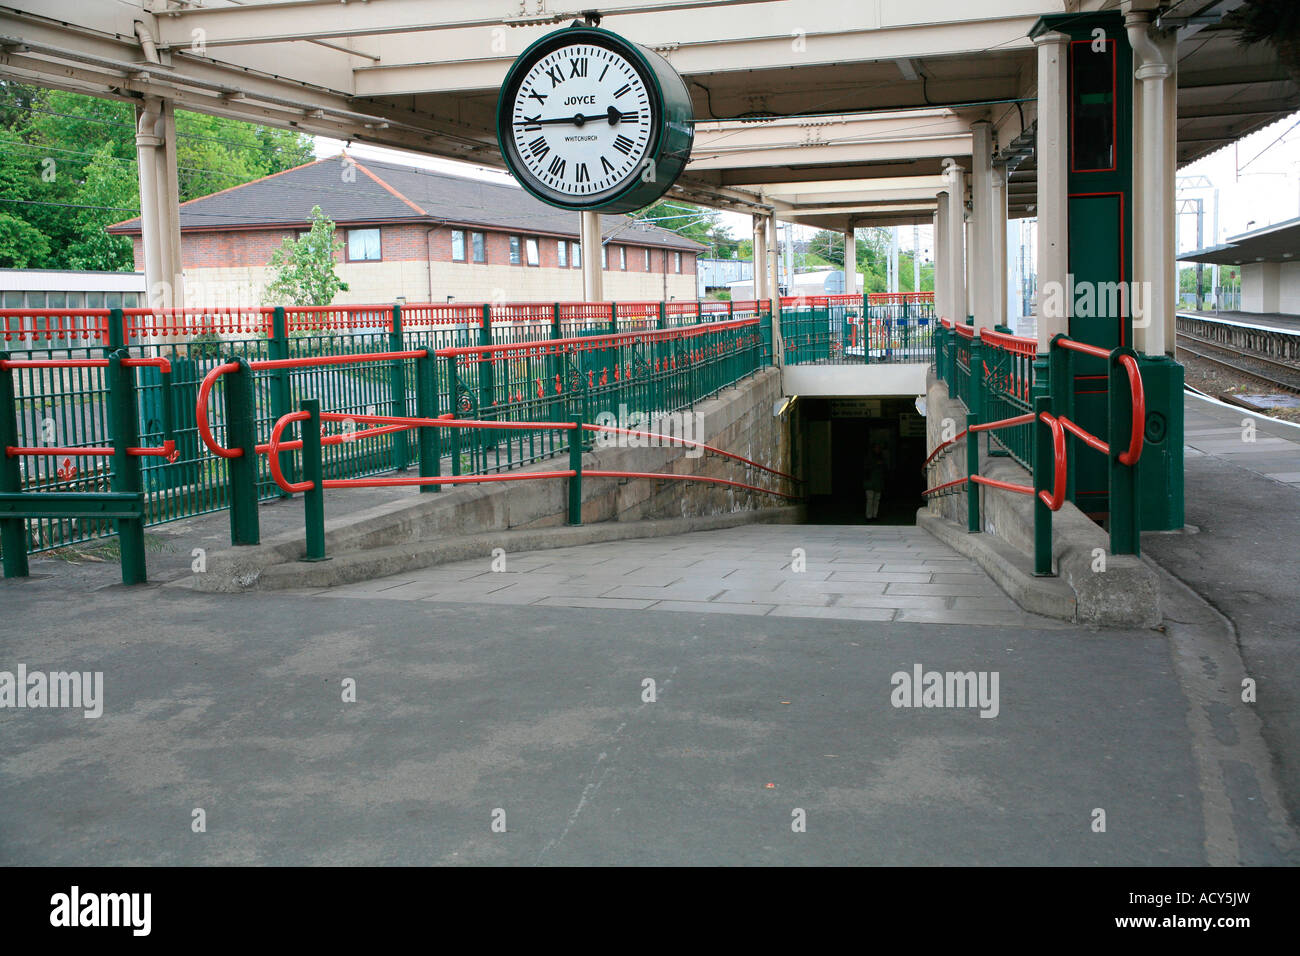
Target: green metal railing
[(1017, 396), (70, 405), (858, 329)]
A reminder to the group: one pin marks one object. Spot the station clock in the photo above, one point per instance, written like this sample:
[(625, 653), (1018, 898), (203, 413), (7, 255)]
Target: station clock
[(588, 120)]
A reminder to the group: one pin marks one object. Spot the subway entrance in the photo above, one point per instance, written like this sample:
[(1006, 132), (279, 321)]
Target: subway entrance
[(861, 458)]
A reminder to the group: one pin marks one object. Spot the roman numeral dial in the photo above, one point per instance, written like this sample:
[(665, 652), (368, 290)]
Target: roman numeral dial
[(580, 118)]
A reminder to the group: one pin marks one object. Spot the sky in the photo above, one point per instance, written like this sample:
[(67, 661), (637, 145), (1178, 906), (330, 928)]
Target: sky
[(1258, 183)]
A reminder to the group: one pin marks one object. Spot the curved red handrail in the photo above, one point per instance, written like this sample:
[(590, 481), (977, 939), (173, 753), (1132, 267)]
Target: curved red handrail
[(941, 446), (1057, 498), (201, 412), (1134, 453), (1086, 349), (273, 457)]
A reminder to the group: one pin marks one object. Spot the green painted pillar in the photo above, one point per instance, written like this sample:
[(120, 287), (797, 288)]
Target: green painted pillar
[(124, 426), (397, 393), (313, 470), (575, 465), (1125, 523), (972, 468), (1043, 478), (429, 440), (13, 531), (241, 432), (281, 391)]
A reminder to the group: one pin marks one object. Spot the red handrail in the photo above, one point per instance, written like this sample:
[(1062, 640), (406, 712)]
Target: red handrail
[(1134, 453), (157, 362), (1053, 501), (592, 342), (168, 451), (201, 412), (597, 473), (688, 443)]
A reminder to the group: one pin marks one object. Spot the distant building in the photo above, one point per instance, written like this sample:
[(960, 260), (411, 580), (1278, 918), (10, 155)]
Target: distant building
[(417, 234), (821, 282), (1269, 260), (713, 275), (70, 289)]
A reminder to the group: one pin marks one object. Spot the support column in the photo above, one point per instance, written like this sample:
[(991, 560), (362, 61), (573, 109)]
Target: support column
[(850, 261), (593, 277), (998, 267), (169, 188), (773, 277), (155, 143), (956, 246), (760, 257), (1153, 232), (1052, 298), (942, 306), (981, 225)]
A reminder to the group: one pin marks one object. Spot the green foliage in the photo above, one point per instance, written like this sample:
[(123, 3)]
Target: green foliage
[(68, 170), (302, 270)]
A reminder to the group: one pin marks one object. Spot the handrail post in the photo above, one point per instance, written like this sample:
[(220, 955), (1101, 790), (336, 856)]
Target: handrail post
[(613, 318), (397, 392), (975, 409), (1125, 526), (1061, 388), (116, 332), (241, 432), (428, 439), (663, 315), (453, 406), (972, 468), (124, 425), (313, 470), (486, 381), (1044, 465), (575, 465), (13, 531), (277, 347)]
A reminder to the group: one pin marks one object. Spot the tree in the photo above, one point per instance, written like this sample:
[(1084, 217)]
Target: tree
[(68, 170), (302, 270)]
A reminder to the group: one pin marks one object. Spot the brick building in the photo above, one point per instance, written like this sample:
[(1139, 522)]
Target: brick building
[(418, 234)]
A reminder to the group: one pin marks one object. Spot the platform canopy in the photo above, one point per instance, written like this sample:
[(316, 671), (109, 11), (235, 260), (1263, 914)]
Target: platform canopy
[(1276, 243), (817, 113)]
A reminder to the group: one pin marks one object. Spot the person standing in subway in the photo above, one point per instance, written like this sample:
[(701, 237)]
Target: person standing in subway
[(873, 483)]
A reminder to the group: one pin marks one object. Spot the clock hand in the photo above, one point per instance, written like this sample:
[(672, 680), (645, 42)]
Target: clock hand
[(577, 120)]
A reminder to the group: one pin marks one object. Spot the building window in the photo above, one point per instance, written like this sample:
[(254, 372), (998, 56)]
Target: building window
[(577, 255), (514, 251), (647, 259), (457, 245), (622, 258), (534, 258), (479, 245), (677, 262), (562, 251), (363, 245), (94, 300), (604, 256)]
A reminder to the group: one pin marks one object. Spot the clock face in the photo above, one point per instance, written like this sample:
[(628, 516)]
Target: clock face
[(582, 122)]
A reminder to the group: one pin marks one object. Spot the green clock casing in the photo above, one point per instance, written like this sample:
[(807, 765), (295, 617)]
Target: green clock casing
[(587, 120)]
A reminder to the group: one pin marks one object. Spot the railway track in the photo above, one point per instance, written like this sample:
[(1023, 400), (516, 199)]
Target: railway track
[(1291, 383)]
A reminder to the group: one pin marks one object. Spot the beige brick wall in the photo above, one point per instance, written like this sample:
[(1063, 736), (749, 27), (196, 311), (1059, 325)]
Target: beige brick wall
[(370, 282)]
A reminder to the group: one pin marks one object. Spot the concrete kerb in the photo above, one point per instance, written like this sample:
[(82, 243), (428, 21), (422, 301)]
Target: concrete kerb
[(420, 530), (1107, 589)]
